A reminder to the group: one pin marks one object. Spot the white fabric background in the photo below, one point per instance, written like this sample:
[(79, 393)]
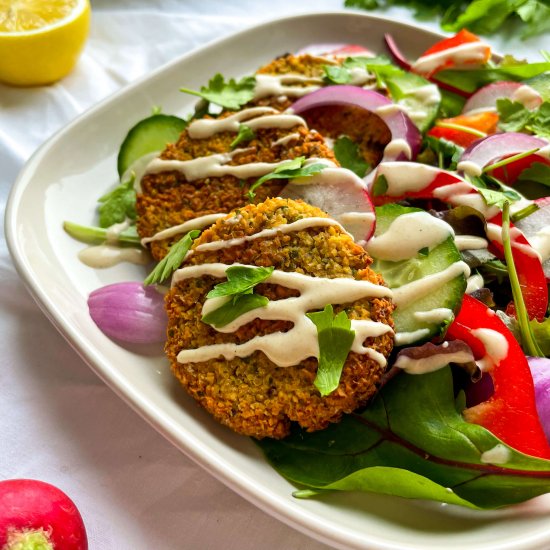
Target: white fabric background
[(58, 421)]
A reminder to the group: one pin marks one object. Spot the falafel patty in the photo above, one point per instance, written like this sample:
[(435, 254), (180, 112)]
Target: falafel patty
[(252, 394)]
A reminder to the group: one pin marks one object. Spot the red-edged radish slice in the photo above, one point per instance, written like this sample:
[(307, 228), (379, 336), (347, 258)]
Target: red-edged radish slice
[(493, 148), (336, 49), (485, 99), (536, 228), (405, 137), (342, 195)]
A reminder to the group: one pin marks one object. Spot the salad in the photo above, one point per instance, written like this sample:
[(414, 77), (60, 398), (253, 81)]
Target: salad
[(465, 166)]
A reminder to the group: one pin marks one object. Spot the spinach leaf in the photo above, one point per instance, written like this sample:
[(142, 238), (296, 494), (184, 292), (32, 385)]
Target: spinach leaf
[(412, 442), (537, 172)]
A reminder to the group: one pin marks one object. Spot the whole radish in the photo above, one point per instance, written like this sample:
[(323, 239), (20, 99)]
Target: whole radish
[(38, 516)]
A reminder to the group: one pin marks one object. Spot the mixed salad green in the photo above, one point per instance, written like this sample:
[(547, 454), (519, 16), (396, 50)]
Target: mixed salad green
[(474, 153)]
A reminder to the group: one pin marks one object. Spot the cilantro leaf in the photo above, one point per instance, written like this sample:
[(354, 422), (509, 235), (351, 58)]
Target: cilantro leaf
[(493, 192), (448, 153), (234, 308), (513, 115), (493, 198), (231, 95), (172, 260), (380, 186), (538, 172), (335, 341), (540, 121), (287, 170), (348, 155), (337, 74), (240, 279), (244, 134), (118, 204)]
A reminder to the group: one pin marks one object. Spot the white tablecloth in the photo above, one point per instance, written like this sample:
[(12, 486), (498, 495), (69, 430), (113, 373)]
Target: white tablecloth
[(58, 421)]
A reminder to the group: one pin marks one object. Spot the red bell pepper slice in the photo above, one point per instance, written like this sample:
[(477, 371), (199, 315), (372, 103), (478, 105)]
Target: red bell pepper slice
[(483, 122), (528, 265), (461, 37), (510, 413)]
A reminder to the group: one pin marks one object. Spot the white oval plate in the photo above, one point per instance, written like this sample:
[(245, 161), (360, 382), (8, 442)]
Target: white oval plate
[(63, 181)]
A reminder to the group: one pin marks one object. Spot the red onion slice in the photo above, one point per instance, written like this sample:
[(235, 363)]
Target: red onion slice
[(405, 137), (129, 312), (540, 370), (342, 195), (536, 228), (488, 150), (485, 99)]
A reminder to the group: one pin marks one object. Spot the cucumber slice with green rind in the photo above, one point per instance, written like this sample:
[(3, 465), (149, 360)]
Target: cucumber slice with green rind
[(447, 296), (149, 135)]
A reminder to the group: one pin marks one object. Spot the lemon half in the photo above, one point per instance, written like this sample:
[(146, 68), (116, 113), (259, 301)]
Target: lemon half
[(41, 40)]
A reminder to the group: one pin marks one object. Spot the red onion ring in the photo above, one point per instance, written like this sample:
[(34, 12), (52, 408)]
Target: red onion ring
[(399, 124), (129, 312), (487, 150), (540, 371)]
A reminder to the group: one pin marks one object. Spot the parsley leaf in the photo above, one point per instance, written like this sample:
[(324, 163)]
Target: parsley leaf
[(493, 192), (234, 308), (118, 204), (335, 341), (172, 260), (538, 172), (240, 279), (337, 74), (513, 115), (287, 170), (540, 121), (448, 153), (245, 134), (348, 155), (231, 95)]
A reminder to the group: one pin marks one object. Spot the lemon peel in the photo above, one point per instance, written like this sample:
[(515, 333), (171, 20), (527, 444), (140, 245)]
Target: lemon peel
[(41, 40)]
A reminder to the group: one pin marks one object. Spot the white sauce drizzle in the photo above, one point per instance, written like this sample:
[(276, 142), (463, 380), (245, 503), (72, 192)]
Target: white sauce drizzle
[(499, 454), (403, 177), (415, 290), (107, 255), (540, 241), (494, 233), (527, 96), (301, 341), (408, 234), (470, 242), (189, 225), (470, 52), (496, 347), (469, 167), (298, 225), (431, 363), (281, 84), (397, 146), (206, 127), (285, 140), (473, 283), (404, 338), (436, 315)]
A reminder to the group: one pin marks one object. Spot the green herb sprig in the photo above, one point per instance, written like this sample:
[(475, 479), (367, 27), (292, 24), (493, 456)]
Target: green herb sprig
[(119, 204), (335, 341), (172, 260), (348, 155), (230, 95)]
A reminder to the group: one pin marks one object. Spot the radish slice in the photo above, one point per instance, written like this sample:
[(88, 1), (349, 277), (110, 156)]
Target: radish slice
[(485, 99), (337, 49), (497, 146), (342, 195), (536, 228), (406, 139), (540, 370), (129, 312)]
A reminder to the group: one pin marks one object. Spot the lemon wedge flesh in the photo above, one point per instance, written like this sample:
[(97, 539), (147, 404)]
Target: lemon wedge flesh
[(41, 40)]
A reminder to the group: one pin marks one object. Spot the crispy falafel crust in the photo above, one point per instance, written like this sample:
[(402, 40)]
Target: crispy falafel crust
[(252, 395)]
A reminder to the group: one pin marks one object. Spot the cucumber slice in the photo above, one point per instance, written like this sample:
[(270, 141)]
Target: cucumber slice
[(419, 97), (429, 311), (149, 135)]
